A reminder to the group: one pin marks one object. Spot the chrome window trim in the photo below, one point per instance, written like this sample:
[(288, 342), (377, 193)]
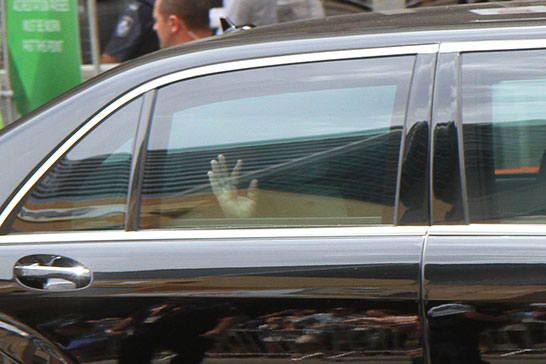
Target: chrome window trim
[(212, 234), (507, 230), (491, 45), (203, 71)]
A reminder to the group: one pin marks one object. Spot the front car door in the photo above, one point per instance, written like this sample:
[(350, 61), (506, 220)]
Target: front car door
[(485, 260), (293, 253)]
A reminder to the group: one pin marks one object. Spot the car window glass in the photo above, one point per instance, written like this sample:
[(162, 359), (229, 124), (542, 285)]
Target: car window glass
[(87, 188), (317, 144), (504, 116), (287, 125)]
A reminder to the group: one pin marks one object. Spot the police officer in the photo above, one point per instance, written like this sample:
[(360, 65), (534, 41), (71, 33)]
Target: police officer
[(134, 34)]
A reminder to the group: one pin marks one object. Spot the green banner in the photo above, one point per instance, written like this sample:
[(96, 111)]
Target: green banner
[(44, 50)]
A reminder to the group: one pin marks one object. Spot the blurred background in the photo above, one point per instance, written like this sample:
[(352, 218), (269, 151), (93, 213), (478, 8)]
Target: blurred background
[(95, 31)]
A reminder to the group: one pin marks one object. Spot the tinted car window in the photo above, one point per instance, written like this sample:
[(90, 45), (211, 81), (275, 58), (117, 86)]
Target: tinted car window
[(87, 188), (504, 115), (317, 144)]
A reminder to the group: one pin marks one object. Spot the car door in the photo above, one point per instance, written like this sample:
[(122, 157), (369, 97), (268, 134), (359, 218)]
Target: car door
[(484, 260), (173, 250)]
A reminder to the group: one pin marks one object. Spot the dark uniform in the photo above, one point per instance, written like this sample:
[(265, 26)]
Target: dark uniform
[(134, 34)]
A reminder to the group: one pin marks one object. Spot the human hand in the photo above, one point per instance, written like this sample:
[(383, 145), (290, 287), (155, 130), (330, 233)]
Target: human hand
[(224, 187)]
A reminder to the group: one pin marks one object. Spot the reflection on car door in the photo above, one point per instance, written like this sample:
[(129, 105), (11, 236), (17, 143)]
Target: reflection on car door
[(348, 293)]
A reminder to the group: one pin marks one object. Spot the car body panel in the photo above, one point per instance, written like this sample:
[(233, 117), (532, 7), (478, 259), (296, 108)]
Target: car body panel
[(336, 282), (493, 308)]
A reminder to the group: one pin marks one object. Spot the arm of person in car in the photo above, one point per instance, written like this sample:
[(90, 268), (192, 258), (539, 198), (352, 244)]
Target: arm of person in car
[(224, 187)]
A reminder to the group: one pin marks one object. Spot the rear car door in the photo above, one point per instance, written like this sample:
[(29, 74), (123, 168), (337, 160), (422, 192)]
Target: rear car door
[(141, 249), (485, 258)]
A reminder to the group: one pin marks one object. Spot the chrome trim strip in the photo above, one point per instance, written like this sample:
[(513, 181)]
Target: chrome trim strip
[(216, 234), (491, 45), (202, 71), (488, 229), (12, 329), (422, 299)]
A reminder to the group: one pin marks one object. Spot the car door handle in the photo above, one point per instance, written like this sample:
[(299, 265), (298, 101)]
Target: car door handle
[(49, 272), (38, 271)]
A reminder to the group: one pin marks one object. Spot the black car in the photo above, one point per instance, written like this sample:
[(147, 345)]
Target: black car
[(368, 188)]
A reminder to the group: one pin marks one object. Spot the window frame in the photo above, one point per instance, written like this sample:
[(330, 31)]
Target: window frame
[(140, 124), (396, 128), (153, 84), (450, 78)]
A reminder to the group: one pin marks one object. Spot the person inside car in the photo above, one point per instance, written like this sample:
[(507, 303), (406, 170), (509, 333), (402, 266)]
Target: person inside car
[(224, 187)]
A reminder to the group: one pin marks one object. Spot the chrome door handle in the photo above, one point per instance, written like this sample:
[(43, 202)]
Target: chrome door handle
[(49, 272), (37, 271)]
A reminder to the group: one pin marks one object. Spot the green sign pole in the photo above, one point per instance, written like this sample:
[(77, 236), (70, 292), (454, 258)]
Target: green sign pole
[(44, 50)]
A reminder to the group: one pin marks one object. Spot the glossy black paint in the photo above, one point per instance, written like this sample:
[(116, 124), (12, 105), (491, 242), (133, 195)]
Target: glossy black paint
[(414, 204), (447, 206), (135, 184), (485, 298), (232, 299), (22, 344)]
